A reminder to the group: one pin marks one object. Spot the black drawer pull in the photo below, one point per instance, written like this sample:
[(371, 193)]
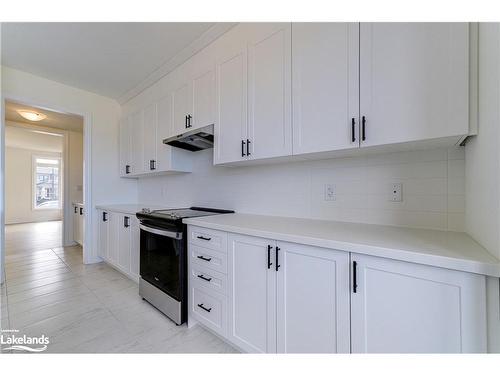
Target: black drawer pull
[(204, 238), (126, 221), (354, 277), (353, 130), (104, 216), (203, 258), (248, 147), (200, 305), (269, 264), (277, 258), (242, 148), (81, 210), (76, 209), (205, 278), (363, 128)]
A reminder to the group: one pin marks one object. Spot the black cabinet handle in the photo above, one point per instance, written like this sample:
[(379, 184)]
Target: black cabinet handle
[(277, 258), (203, 258), (354, 277), (242, 148), (204, 238), (127, 169), (186, 121), (353, 130), (76, 209), (126, 221), (189, 120), (363, 127), (269, 264), (205, 278), (81, 210), (248, 147), (152, 165), (104, 216), (200, 305)]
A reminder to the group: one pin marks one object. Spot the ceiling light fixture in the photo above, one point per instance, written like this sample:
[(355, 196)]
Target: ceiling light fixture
[(32, 116)]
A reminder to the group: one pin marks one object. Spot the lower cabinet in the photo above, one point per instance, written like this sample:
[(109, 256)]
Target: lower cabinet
[(291, 298), (119, 242), (400, 307)]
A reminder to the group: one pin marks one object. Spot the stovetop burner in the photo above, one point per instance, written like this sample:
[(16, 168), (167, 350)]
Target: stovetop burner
[(176, 215)]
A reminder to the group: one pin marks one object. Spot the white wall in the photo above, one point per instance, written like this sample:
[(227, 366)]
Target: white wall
[(75, 160), (19, 187), (482, 168), (433, 188), (103, 113)]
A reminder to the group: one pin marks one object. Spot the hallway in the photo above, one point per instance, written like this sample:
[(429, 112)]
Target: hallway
[(31, 237)]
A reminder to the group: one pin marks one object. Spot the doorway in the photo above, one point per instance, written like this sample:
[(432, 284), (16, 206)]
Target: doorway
[(43, 179)]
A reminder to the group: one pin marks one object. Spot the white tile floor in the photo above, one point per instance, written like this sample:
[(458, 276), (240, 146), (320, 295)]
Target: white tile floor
[(87, 308)]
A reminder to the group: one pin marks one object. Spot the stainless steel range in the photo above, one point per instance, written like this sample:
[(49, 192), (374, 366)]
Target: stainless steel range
[(163, 258)]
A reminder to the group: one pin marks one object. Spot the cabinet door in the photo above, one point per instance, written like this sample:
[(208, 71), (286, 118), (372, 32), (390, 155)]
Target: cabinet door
[(150, 137), (252, 293), (124, 237), (414, 81), (312, 300), (325, 79), (180, 106), (113, 235), (103, 218), (231, 98), (125, 149), (203, 98), (134, 247), (401, 307), (164, 130), (76, 226), (137, 147), (269, 94)]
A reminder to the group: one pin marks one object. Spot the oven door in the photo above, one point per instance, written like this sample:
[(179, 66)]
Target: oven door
[(161, 260)]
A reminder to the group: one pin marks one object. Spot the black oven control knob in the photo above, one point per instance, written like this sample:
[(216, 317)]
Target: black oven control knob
[(146, 211)]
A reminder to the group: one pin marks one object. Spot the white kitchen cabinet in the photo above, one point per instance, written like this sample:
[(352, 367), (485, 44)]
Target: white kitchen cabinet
[(125, 146), (230, 130), (103, 241), (312, 300), (78, 223), (269, 91), (253, 91), (150, 137), (124, 242), (119, 241), (203, 94), (400, 307), (325, 80), (252, 292), (414, 81), (135, 245), (180, 107), (136, 143)]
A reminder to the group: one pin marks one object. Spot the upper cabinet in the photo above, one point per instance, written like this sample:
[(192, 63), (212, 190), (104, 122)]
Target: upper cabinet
[(253, 93), (276, 90), (414, 81), (412, 85), (325, 80)]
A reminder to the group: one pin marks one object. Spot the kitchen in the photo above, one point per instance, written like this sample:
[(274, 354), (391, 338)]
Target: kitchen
[(307, 187)]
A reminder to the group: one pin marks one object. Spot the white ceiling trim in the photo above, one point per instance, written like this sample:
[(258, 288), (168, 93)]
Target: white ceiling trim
[(204, 40)]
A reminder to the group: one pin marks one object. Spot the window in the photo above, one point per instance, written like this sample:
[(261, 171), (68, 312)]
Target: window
[(47, 183)]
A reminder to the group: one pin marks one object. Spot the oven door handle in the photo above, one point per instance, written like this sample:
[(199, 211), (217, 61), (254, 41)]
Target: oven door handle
[(161, 232)]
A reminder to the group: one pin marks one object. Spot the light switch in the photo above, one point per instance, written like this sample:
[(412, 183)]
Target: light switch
[(396, 192)]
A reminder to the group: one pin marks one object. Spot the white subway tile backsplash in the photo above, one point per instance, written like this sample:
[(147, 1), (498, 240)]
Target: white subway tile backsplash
[(433, 188)]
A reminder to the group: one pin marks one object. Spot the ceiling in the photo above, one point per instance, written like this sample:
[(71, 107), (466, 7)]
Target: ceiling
[(109, 58), (58, 120), (18, 137)]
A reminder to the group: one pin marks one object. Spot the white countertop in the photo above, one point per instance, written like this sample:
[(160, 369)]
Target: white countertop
[(131, 209), (452, 250)]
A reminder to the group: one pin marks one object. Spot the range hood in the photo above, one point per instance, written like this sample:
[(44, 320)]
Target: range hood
[(193, 140)]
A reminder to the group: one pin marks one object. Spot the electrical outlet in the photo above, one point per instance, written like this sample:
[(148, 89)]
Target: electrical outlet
[(330, 192), (396, 193)]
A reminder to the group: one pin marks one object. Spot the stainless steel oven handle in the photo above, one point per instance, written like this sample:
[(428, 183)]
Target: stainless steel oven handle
[(161, 232)]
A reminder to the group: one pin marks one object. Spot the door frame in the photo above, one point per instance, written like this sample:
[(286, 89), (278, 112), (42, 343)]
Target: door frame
[(87, 173)]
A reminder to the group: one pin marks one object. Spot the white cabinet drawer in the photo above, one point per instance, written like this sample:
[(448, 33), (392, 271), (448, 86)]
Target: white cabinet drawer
[(209, 238), (214, 260), (210, 309), (207, 278)]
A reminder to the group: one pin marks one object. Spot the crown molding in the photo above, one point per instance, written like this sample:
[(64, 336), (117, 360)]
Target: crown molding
[(204, 40)]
